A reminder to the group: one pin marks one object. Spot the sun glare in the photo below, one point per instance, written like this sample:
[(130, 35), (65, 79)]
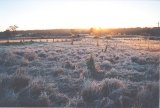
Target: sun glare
[(79, 14)]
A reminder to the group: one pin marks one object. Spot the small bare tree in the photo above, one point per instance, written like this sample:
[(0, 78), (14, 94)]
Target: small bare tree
[(11, 31)]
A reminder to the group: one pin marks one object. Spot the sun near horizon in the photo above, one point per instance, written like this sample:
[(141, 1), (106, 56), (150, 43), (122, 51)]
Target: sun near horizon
[(52, 14)]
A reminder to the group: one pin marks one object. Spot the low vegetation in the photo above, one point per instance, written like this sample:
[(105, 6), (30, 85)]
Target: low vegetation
[(79, 75)]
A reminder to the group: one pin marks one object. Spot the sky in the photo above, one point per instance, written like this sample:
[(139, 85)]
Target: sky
[(52, 14)]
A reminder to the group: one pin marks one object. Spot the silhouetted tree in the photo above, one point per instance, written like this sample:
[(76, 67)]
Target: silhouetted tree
[(10, 32), (12, 29)]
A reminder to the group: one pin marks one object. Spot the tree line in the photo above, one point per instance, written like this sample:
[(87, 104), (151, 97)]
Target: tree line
[(11, 32)]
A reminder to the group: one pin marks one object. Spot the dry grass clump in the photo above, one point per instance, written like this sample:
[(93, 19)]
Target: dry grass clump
[(43, 100), (8, 58), (150, 67), (8, 98), (58, 71), (20, 80), (24, 62), (76, 102), (37, 86), (20, 90), (109, 85), (148, 96), (37, 94), (69, 86), (30, 55), (94, 91), (4, 81), (138, 60), (143, 61), (41, 94), (91, 92), (75, 74), (59, 99), (152, 72), (69, 65), (42, 55), (106, 65)]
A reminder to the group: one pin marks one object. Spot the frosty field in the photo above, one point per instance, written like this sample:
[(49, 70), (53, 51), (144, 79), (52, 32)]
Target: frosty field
[(92, 73)]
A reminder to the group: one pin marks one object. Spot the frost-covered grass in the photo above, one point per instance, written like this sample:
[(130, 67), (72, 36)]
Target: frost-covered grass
[(111, 74)]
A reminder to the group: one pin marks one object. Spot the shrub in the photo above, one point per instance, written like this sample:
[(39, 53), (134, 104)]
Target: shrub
[(91, 67)]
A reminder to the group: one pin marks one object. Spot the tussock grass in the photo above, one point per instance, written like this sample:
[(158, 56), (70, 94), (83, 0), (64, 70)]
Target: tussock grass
[(94, 91), (148, 96), (20, 89), (20, 80), (90, 92), (109, 85)]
